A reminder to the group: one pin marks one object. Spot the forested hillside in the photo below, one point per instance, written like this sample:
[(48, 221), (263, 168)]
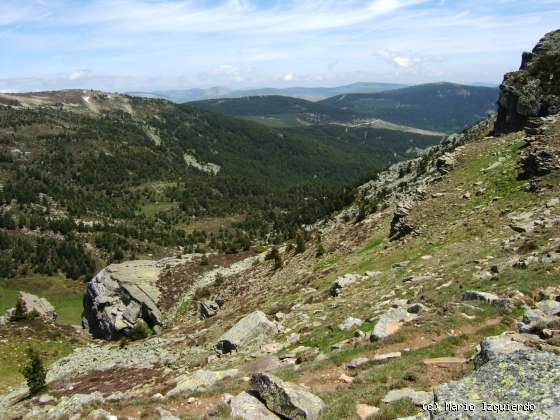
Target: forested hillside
[(89, 176), (443, 107)]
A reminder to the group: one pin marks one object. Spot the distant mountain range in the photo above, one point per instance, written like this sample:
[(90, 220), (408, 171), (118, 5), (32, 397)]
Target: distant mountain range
[(309, 93), (441, 107), (446, 107)]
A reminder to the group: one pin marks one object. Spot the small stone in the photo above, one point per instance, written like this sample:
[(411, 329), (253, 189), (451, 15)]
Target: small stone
[(356, 363), (365, 411), (350, 323), (417, 397), (345, 378)]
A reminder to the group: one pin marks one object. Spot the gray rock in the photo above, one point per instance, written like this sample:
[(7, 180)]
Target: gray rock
[(490, 298), (248, 407), (493, 347), (417, 397), (522, 377), (350, 323), (251, 331), (549, 307), (199, 381), (69, 406), (33, 306), (208, 308), (533, 320), (286, 399), (356, 363), (551, 257), (399, 227), (166, 415), (552, 293), (391, 322), (101, 414), (345, 281), (119, 295)]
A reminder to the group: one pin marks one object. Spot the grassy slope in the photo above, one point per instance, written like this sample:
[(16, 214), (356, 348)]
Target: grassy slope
[(460, 236)]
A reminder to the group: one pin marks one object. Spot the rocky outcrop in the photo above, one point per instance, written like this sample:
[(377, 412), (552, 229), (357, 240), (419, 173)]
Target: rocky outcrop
[(286, 399), (250, 332), (493, 347), (399, 227), (417, 397), (534, 90), (31, 306), (121, 294), (521, 385)]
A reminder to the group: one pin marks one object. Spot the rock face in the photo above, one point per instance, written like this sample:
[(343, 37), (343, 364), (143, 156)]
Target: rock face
[(29, 305), (121, 294), (251, 331), (524, 377), (287, 400), (534, 90)]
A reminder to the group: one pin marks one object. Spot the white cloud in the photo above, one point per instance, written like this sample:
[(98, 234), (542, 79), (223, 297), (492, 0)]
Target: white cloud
[(288, 77), (80, 74)]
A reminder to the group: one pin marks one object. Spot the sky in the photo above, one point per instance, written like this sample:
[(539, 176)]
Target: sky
[(126, 45)]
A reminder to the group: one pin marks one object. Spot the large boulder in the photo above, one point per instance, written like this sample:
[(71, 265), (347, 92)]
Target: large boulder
[(31, 306), (286, 399), (534, 90), (121, 294), (493, 347), (520, 385), (250, 332)]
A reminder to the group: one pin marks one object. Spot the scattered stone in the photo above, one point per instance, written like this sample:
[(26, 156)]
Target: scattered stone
[(416, 308), (46, 399), (69, 406), (252, 330), (524, 263), (101, 414), (391, 322), (359, 334), (521, 377), (165, 414), (345, 281), (286, 399), (490, 298), (380, 358), (209, 308), (356, 363), (533, 321), (551, 257), (549, 307), (248, 407), (345, 378), (552, 293), (350, 323), (199, 381), (417, 397), (445, 361), (364, 411), (400, 264)]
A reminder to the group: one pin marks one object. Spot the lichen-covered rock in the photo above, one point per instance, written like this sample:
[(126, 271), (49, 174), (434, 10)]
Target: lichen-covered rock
[(493, 347), (534, 90), (121, 294), (286, 399), (534, 320), (417, 397), (399, 227), (520, 379), (248, 407), (251, 331)]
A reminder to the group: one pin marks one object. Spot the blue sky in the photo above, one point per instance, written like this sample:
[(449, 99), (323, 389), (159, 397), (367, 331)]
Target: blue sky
[(123, 45)]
